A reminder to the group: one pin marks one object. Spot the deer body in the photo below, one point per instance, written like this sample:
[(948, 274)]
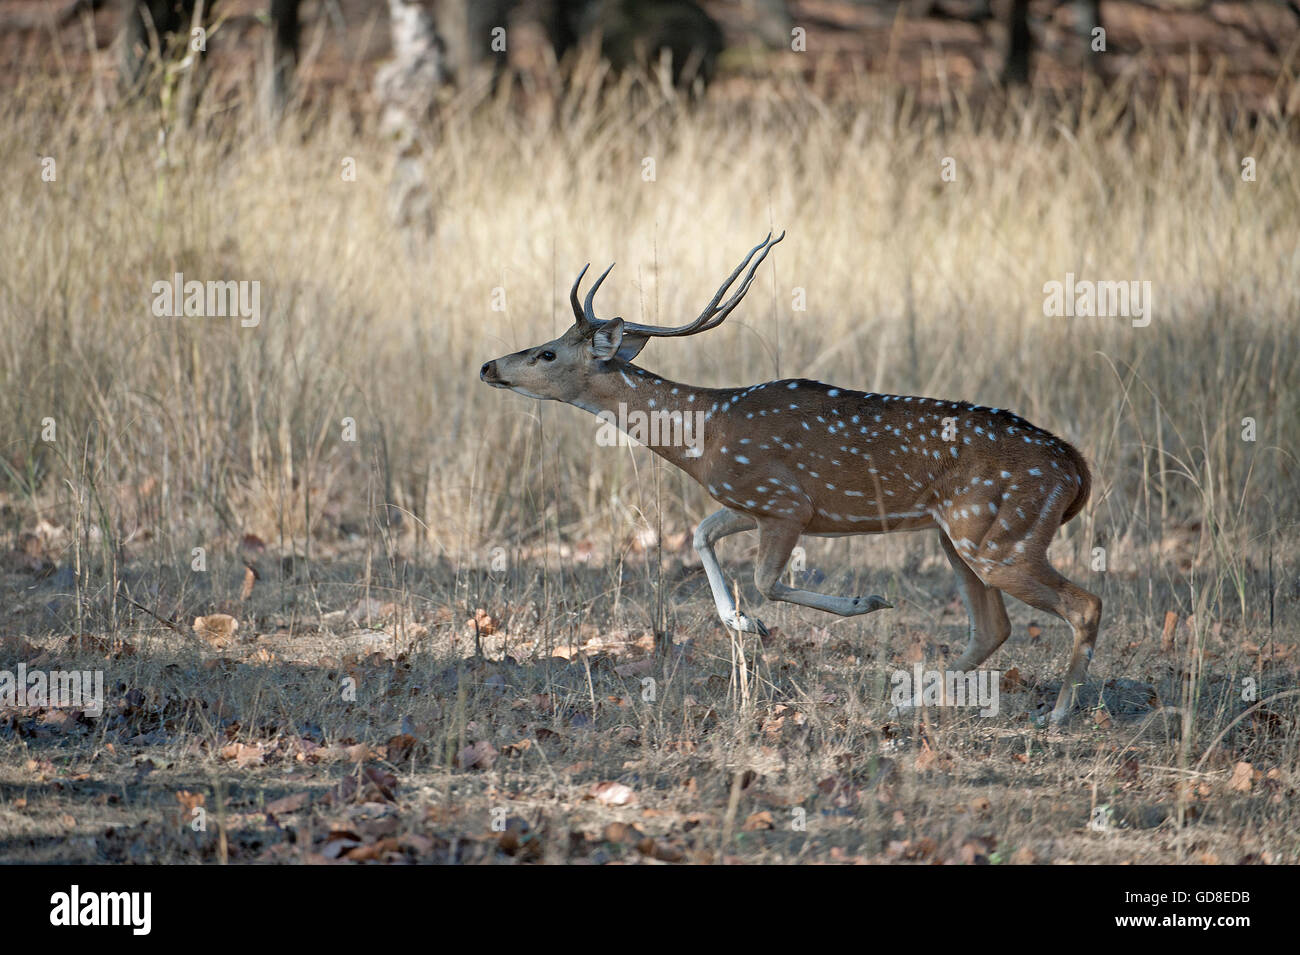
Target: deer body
[(797, 457)]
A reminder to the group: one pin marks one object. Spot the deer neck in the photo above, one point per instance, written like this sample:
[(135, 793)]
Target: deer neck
[(670, 418)]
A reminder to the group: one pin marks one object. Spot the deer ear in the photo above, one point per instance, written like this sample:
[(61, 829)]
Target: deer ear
[(631, 347), (606, 339)]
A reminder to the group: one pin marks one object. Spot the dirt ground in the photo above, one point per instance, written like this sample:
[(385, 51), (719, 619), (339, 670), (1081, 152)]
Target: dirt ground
[(397, 726)]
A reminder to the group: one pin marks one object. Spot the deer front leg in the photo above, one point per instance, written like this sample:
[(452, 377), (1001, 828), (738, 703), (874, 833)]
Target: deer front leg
[(776, 539), (717, 525)]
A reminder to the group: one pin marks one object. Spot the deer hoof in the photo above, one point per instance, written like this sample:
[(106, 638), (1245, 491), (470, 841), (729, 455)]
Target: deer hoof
[(738, 621), (871, 604)]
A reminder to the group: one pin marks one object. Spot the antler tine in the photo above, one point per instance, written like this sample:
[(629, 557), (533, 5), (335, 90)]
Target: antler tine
[(589, 314), (719, 313), (710, 309), (573, 298), (713, 314)]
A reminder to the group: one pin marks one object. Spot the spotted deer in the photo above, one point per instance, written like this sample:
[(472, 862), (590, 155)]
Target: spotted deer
[(795, 457)]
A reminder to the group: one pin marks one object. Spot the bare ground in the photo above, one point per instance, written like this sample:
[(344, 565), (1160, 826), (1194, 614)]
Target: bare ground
[(336, 725)]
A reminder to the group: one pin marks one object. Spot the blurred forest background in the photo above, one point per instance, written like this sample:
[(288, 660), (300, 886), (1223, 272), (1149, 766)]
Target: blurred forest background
[(1245, 46)]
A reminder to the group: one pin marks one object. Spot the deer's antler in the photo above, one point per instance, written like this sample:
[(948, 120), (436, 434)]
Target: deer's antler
[(578, 315), (714, 314)]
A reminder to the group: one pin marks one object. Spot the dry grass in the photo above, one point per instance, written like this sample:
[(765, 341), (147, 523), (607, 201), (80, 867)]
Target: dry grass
[(181, 433)]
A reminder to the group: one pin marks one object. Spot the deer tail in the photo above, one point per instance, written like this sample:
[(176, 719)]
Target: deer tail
[(1085, 484)]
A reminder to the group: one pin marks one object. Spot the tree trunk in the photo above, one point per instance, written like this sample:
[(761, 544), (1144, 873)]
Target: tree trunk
[(406, 87), (466, 30), (1087, 17), (146, 25), (1020, 43), (281, 57)]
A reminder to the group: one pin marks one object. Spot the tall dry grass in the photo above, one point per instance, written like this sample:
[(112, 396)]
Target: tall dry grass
[(913, 284)]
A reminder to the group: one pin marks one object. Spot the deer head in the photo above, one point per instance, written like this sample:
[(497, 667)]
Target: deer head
[(564, 369)]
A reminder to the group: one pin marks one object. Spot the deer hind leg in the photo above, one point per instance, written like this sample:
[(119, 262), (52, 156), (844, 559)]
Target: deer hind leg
[(989, 624), (1004, 541), (1037, 583), (713, 528), (776, 539)]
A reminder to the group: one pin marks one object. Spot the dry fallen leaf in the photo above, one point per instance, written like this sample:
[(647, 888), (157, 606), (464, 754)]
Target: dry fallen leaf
[(218, 629), (636, 668), (612, 793), (907, 849), (358, 752), (376, 850), (976, 850), (363, 784), (926, 757), (399, 748), (622, 832), (242, 754), (58, 719), (287, 804), (1167, 634), (340, 842), (1243, 774), (189, 800), (421, 845), (657, 849), (516, 749), (480, 755), (757, 821)]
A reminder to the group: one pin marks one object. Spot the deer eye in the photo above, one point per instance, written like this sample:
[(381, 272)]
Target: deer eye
[(547, 355)]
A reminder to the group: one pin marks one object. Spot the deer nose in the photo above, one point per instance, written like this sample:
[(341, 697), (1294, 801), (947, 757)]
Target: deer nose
[(486, 370)]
